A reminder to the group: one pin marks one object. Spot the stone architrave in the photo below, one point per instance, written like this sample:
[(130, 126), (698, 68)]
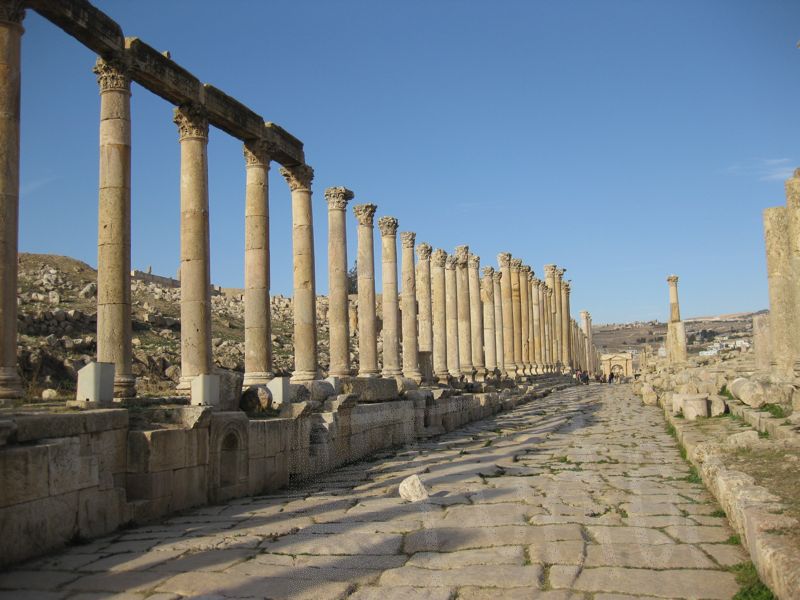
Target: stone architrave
[(525, 315), (509, 366), (516, 315), (114, 226), (424, 300), (489, 338), (439, 302), (464, 315), (498, 322), (410, 339), (196, 354), (536, 315), (451, 303), (338, 296), (476, 316), (391, 308), (365, 266), (257, 318), (11, 16), (566, 320), (304, 302)]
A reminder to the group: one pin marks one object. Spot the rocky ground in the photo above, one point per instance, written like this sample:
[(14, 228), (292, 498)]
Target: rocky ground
[(581, 495)]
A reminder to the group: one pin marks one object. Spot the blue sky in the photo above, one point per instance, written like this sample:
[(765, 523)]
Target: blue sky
[(623, 139)]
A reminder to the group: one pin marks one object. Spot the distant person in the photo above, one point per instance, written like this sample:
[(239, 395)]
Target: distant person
[(585, 378), (611, 378)]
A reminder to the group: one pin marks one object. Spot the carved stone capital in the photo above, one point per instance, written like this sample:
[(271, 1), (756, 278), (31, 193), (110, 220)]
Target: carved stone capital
[(111, 75), (474, 261), (525, 271), (487, 272), (565, 285), (673, 279), (364, 213), (531, 275), (338, 197), (516, 264), (407, 239), (424, 251), (258, 153), (192, 122), (497, 276), (450, 262), (298, 177), (388, 225), (462, 255), (12, 11), (504, 259), (438, 257), (549, 270)]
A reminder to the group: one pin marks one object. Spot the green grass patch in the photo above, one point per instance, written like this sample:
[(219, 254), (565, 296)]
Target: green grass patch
[(734, 540), (487, 443), (751, 587), (671, 430), (724, 391), (763, 434), (717, 513), (776, 410), (693, 476)]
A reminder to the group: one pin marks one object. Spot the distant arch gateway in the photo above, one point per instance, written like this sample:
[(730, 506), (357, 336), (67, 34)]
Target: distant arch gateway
[(619, 363)]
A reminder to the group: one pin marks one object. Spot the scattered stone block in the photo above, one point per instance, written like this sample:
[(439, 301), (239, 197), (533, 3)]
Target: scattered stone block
[(230, 389), (413, 490), (748, 391), (205, 390), (694, 406), (336, 382), (371, 389), (279, 389), (95, 386), (744, 439), (49, 394), (717, 406), (256, 399), (404, 384)]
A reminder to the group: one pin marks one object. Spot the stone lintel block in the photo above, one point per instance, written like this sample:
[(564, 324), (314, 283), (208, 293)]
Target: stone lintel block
[(88, 24), (230, 115), (288, 149), (161, 75), (371, 389)]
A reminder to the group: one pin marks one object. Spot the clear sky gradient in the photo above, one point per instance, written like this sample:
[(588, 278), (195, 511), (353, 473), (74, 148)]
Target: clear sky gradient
[(622, 139)]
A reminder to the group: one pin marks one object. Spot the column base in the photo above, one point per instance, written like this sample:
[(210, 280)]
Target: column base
[(369, 374), (257, 378), (480, 374), (391, 373), (10, 386), (125, 386), (340, 374), (442, 377), (415, 376), (301, 376)]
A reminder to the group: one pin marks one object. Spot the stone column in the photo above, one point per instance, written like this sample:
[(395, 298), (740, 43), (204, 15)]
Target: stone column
[(550, 280), (525, 316), (792, 189), (424, 302), (410, 340), (498, 322), (11, 15), (781, 288), (464, 317), (391, 309), (549, 314), (305, 299), (531, 334), (451, 302), (516, 315), (476, 317), (561, 331), (338, 296), (440, 335), (487, 300), (114, 226), (509, 366), (586, 319), (566, 350), (674, 306), (257, 318), (537, 325), (196, 355), (367, 320), (676, 332)]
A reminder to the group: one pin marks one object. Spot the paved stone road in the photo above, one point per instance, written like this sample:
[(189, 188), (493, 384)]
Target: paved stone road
[(579, 495)]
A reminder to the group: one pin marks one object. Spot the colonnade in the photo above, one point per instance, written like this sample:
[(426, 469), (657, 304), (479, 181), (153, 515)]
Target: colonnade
[(475, 324)]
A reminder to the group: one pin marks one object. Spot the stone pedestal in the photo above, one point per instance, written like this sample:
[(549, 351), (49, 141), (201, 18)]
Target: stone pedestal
[(498, 322), (367, 320), (257, 318), (10, 42), (509, 366), (451, 310), (114, 227), (338, 297), (440, 337), (304, 301), (410, 348), (464, 316), (489, 338), (391, 309), (476, 317), (196, 355)]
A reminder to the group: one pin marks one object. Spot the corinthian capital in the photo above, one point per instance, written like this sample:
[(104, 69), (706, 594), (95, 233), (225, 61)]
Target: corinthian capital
[(438, 257), (565, 285), (450, 262), (388, 225), (111, 75), (364, 213), (424, 251), (549, 270), (407, 239), (673, 279), (504, 259), (338, 197), (462, 255), (525, 271), (474, 261), (12, 11), (192, 122), (497, 276), (258, 153), (487, 272), (298, 177), (516, 264)]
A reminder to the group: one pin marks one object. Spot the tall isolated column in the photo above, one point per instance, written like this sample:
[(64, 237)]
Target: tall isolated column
[(537, 325), (524, 271), (561, 332), (498, 322), (365, 266), (676, 332), (781, 288), (338, 296), (424, 301), (391, 309), (792, 190), (548, 317), (305, 296), (566, 351), (587, 331), (451, 304), (114, 226), (550, 280), (257, 318), (489, 339), (11, 15), (464, 315), (476, 316), (196, 355), (674, 305), (516, 315), (410, 340), (438, 258), (504, 262)]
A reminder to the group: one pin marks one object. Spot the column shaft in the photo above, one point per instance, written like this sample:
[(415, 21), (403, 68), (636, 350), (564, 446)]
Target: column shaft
[(410, 340), (391, 309), (451, 301), (504, 261), (537, 326), (367, 319), (440, 339), (566, 350), (487, 300), (498, 322), (338, 296), (516, 315), (525, 318), (424, 301), (476, 317), (464, 316)]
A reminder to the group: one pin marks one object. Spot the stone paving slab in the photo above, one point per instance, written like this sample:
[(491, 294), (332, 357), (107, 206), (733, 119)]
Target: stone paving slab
[(580, 495)]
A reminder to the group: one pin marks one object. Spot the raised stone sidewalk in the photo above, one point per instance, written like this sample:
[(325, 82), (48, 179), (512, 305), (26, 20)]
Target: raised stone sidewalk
[(579, 495)]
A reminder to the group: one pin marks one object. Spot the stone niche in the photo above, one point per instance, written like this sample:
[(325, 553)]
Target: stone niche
[(228, 473)]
